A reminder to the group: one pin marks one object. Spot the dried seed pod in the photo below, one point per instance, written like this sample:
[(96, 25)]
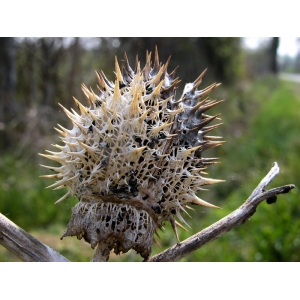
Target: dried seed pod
[(134, 157)]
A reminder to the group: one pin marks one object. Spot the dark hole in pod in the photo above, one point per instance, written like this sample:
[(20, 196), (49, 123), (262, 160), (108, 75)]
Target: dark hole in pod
[(183, 177), (121, 84), (149, 89), (185, 164), (145, 197), (175, 151), (113, 225), (133, 189), (156, 140), (151, 145), (98, 103), (162, 135), (156, 208), (173, 211), (132, 182), (120, 217), (138, 140), (90, 129), (155, 155), (168, 105), (176, 187)]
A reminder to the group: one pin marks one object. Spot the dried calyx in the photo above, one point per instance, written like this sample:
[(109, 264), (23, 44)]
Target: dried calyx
[(134, 156)]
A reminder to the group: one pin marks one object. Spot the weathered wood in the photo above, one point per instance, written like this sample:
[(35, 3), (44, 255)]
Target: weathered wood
[(236, 218), (24, 245)]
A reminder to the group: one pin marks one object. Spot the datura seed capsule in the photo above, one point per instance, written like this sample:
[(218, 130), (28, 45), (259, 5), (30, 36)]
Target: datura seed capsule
[(134, 157)]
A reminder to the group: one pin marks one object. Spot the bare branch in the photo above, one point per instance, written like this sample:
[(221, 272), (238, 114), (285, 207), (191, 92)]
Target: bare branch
[(236, 218), (24, 245)]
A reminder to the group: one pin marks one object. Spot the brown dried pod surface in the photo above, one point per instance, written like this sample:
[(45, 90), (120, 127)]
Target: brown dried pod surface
[(134, 156)]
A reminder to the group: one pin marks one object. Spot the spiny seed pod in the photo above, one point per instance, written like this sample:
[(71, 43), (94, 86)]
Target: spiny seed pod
[(134, 157)]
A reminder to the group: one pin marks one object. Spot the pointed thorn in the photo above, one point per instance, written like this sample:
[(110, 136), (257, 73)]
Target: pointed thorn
[(118, 71), (180, 226), (198, 80), (201, 202), (174, 229), (63, 197), (156, 61)]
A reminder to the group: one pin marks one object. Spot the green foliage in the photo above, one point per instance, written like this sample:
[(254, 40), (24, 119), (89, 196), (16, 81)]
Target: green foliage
[(269, 133), (25, 200), (261, 125)]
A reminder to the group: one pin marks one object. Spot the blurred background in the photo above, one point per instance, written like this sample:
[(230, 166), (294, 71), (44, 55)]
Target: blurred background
[(261, 125)]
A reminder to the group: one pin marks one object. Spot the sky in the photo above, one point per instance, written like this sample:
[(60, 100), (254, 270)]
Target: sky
[(287, 45)]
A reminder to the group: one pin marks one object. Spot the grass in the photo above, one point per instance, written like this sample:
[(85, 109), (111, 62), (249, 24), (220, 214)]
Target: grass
[(261, 125)]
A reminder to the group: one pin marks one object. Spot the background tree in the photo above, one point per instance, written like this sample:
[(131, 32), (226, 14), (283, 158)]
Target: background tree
[(273, 55), (7, 88)]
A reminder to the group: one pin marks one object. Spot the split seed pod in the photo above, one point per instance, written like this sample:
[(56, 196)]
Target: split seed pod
[(134, 157)]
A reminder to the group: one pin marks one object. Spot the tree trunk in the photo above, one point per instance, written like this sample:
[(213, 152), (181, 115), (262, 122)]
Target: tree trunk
[(7, 87), (273, 55)]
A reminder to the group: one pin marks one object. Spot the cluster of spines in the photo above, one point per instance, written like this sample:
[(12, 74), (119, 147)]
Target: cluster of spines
[(136, 141)]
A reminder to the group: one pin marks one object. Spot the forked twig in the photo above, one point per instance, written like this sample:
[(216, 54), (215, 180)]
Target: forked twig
[(236, 218), (28, 248)]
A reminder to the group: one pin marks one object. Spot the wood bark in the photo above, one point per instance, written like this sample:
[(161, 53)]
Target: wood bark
[(25, 246), (28, 248)]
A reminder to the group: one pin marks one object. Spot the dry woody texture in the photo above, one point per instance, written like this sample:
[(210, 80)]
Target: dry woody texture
[(134, 157)]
